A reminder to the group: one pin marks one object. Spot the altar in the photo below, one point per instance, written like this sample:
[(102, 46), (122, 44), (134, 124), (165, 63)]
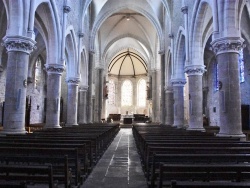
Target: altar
[(128, 119)]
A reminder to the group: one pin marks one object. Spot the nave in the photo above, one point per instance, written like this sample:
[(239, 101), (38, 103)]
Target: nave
[(120, 165), (106, 155)]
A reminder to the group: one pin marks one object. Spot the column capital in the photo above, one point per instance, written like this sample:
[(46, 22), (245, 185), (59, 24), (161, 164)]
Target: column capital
[(54, 68), (195, 70), (178, 81), (66, 9), (184, 9), (19, 43), (227, 45), (73, 80)]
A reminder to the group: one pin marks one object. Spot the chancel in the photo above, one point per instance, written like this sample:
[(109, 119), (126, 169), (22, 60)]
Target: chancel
[(124, 93)]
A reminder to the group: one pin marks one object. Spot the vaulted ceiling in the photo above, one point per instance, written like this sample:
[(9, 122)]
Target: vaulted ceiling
[(128, 24)]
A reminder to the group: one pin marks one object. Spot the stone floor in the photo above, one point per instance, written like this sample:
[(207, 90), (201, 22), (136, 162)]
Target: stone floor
[(120, 165)]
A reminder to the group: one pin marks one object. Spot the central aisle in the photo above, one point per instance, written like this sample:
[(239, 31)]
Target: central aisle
[(120, 165)]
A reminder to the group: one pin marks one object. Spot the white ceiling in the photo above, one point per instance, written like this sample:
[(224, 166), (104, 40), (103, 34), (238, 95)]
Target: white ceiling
[(116, 33)]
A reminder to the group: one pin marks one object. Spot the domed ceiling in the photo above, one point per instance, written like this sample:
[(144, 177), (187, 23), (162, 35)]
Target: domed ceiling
[(127, 63)]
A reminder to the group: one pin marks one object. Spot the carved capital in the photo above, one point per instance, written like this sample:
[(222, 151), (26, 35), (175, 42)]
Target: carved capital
[(195, 70), (178, 82), (73, 81), (227, 45), (19, 43), (54, 68), (66, 9)]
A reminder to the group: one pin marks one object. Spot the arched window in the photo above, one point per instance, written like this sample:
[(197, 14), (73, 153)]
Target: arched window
[(241, 66), (141, 92), (127, 93), (111, 93), (38, 70)]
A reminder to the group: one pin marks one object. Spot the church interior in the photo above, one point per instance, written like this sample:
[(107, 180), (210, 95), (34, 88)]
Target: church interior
[(133, 94)]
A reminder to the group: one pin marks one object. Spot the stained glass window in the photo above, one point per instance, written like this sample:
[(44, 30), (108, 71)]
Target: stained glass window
[(141, 93), (127, 93), (111, 93), (241, 66)]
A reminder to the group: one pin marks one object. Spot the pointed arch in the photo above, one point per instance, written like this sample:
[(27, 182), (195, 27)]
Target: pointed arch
[(179, 55), (71, 51), (197, 30)]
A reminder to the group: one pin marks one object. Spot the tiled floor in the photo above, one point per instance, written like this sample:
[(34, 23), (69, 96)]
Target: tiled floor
[(120, 165)]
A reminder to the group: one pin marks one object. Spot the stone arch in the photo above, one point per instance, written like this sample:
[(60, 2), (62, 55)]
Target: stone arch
[(104, 15), (84, 69), (179, 55), (71, 51), (243, 30), (40, 49), (87, 3), (50, 30), (196, 31)]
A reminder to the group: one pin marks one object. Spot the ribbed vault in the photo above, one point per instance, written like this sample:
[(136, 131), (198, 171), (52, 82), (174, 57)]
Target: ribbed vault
[(127, 63)]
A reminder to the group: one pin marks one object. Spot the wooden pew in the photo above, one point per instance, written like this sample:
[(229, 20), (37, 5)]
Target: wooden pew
[(203, 173), (196, 184), (42, 174), (61, 170), (153, 171), (72, 154), (12, 184)]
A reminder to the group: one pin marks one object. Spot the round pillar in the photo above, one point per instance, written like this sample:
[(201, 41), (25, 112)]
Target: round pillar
[(19, 49), (227, 53)]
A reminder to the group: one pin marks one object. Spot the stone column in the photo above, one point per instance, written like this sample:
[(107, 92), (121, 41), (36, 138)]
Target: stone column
[(169, 105), (105, 94), (195, 73), (72, 101), (178, 89), (82, 105), (154, 95), (162, 102), (54, 72), (98, 94), (227, 54), (89, 94), (19, 49)]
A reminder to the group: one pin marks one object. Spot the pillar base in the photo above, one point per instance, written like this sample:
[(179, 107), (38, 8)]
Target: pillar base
[(52, 126), (241, 136), (71, 125), (196, 129), (5, 132)]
